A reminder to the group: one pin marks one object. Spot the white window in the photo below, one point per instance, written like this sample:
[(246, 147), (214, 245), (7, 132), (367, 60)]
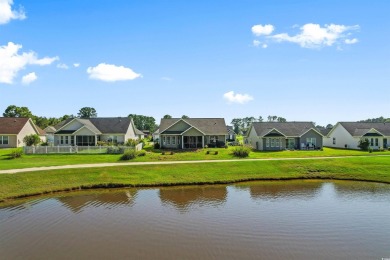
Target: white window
[(168, 140), (267, 142), (376, 142), (272, 142), (4, 139), (164, 140), (372, 142), (173, 139), (311, 141), (213, 139), (334, 140), (66, 139), (62, 139), (277, 142)]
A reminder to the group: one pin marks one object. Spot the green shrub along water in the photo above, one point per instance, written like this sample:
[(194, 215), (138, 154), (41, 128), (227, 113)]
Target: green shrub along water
[(241, 151)]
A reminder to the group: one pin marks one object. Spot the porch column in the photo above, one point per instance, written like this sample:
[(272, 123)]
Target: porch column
[(74, 140), (202, 141), (95, 140), (182, 142)]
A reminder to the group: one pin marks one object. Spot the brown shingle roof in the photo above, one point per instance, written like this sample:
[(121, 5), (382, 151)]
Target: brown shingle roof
[(286, 128), (361, 128), (12, 125)]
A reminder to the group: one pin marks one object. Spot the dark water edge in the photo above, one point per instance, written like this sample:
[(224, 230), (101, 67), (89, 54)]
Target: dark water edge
[(300, 219)]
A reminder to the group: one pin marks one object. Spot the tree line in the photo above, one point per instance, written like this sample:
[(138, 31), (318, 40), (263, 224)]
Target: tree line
[(241, 125)]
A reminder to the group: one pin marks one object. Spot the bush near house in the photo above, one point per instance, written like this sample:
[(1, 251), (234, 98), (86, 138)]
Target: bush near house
[(115, 150), (128, 155), (241, 151), (141, 153), (364, 144), (15, 153), (31, 140)]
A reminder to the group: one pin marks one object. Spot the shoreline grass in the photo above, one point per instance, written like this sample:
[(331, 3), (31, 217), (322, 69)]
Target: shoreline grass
[(28, 161), (374, 169)]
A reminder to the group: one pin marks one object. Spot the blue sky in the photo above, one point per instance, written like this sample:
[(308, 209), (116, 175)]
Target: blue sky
[(311, 60)]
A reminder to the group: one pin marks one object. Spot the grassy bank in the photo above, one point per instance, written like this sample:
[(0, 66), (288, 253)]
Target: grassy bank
[(156, 156), (34, 183)]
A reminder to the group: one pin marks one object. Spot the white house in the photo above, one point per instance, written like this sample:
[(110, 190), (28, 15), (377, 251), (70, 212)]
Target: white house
[(348, 135)]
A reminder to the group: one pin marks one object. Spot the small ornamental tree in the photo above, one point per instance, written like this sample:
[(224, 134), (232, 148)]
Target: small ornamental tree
[(33, 139), (364, 144)]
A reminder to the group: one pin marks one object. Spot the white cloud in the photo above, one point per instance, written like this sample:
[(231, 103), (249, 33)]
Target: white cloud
[(11, 62), (111, 73), (351, 41), (62, 66), (264, 46), (231, 97), (314, 36), (256, 43), (27, 79), (166, 78), (262, 29), (7, 14), (76, 65)]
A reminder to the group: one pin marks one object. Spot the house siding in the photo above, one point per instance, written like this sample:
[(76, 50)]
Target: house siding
[(253, 140), (27, 129), (343, 137), (311, 134), (179, 126), (12, 143)]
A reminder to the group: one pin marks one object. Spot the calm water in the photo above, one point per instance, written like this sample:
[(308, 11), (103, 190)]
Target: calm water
[(257, 220)]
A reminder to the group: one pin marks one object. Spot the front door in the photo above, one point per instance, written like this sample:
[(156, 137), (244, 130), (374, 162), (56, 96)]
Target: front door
[(384, 142)]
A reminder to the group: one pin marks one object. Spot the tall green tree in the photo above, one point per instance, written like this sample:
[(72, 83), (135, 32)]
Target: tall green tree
[(144, 122), (87, 112), (184, 117), (167, 117), (15, 111)]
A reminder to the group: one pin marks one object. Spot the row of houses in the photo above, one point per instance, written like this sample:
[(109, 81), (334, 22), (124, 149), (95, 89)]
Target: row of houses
[(178, 133)]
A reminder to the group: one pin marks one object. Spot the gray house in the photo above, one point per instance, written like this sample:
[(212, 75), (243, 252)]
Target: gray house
[(231, 134), (274, 136), (178, 133), (88, 131)]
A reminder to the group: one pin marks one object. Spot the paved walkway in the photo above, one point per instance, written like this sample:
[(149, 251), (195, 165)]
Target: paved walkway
[(99, 165)]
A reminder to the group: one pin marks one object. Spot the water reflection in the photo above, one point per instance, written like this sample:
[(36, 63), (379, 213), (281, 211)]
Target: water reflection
[(283, 189), (106, 199), (256, 220), (189, 196)]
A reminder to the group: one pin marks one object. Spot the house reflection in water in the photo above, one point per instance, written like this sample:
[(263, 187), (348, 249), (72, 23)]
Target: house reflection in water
[(188, 196), (108, 199), (283, 189)]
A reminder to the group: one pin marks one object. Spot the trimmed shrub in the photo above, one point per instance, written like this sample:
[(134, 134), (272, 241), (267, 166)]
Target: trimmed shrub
[(364, 144), (172, 153), (15, 153), (131, 142), (128, 155), (208, 152), (33, 139), (156, 145), (141, 153), (115, 150), (370, 150), (216, 152), (241, 151)]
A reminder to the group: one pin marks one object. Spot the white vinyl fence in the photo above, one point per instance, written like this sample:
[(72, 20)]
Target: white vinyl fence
[(76, 149)]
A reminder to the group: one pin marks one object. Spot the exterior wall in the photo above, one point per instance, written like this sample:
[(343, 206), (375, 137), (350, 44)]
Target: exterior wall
[(281, 141), (130, 134), (28, 129), (342, 138), (12, 142), (177, 144), (57, 140), (179, 126), (193, 132), (84, 131), (73, 125), (254, 141), (311, 134), (106, 137), (208, 138)]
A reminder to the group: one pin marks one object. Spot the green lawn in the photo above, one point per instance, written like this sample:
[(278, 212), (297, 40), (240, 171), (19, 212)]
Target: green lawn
[(34, 183), (155, 156)]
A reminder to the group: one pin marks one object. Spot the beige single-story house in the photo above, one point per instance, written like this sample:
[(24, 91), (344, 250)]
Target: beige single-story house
[(348, 134), (89, 131), (178, 133), (274, 136), (14, 129)]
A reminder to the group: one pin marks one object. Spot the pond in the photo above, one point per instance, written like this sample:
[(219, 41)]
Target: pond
[(254, 220)]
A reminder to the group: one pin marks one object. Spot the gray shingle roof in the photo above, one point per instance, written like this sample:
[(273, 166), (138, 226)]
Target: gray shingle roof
[(361, 128), (104, 125), (293, 129), (209, 126)]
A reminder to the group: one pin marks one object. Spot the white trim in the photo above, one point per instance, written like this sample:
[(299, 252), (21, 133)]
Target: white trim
[(84, 126), (184, 122), (194, 128), (68, 124), (273, 130)]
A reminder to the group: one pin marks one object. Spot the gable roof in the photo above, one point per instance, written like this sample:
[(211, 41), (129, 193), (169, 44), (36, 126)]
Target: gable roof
[(138, 132), (50, 129), (286, 128), (361, 128), (101, 125), (13, 125), (208, 126)]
